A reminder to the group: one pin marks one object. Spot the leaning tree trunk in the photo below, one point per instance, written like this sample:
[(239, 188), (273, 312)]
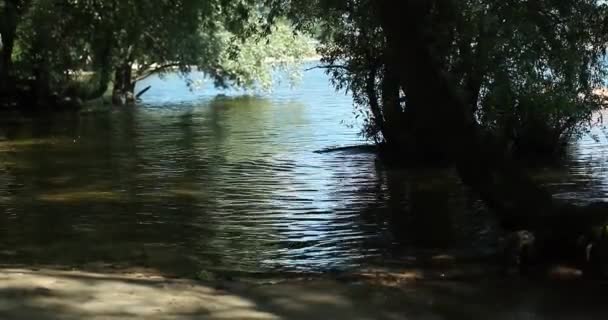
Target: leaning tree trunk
[(5, 66), (519, 202), (124, 86), (41, 85), (102, 55)]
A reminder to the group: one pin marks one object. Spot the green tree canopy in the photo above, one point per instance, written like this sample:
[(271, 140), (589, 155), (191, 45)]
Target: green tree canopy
[(63, 44), (528, 69)]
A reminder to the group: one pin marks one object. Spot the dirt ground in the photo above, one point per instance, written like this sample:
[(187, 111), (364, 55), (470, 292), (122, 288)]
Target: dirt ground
[(47, 294)]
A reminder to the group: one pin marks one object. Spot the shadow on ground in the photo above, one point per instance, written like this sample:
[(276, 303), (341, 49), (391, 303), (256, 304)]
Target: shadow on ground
[(57, 294)]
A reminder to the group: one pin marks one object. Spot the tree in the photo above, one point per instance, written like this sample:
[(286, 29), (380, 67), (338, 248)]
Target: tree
[(10, 15), (519, 202), (76, 49), (137, 38), (256, 62), (541, 68), (529, 72), (442, 68), (206, 35)]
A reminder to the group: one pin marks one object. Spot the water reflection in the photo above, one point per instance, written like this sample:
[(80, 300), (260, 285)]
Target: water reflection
[(227, 182), (584, 176)]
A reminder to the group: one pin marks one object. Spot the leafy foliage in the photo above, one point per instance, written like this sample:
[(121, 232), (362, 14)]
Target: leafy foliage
[(528, 69), (60, 43), (542, 71), (254, 63)]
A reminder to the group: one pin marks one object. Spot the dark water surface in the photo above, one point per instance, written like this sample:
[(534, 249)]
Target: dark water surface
[(192, 181)]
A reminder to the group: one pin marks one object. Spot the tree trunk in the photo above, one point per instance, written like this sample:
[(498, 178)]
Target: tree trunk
[(102, 85), (372, 96), (391, 106), (102, 61), (8, 30), (41, 86), (124, 86)]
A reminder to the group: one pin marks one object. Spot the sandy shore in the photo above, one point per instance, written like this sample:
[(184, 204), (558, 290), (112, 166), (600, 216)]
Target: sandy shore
[(54, 294)]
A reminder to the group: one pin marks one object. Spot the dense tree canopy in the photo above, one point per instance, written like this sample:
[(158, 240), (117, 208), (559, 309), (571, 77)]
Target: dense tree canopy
[(528, 69), (79, 48)]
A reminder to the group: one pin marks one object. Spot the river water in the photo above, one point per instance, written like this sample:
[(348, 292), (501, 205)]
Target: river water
[(206, 179)]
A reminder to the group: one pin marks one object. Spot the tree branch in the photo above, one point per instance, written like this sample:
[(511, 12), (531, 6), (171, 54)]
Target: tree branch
[(157, 69), (331, 66), (142, 92)]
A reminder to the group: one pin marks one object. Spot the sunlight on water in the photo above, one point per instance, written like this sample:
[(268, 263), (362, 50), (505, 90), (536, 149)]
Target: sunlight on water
[(192, 180), (584, 178)]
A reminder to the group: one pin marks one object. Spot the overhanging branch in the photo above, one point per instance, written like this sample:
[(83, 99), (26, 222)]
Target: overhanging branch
[(331, 66), (157, 70)]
